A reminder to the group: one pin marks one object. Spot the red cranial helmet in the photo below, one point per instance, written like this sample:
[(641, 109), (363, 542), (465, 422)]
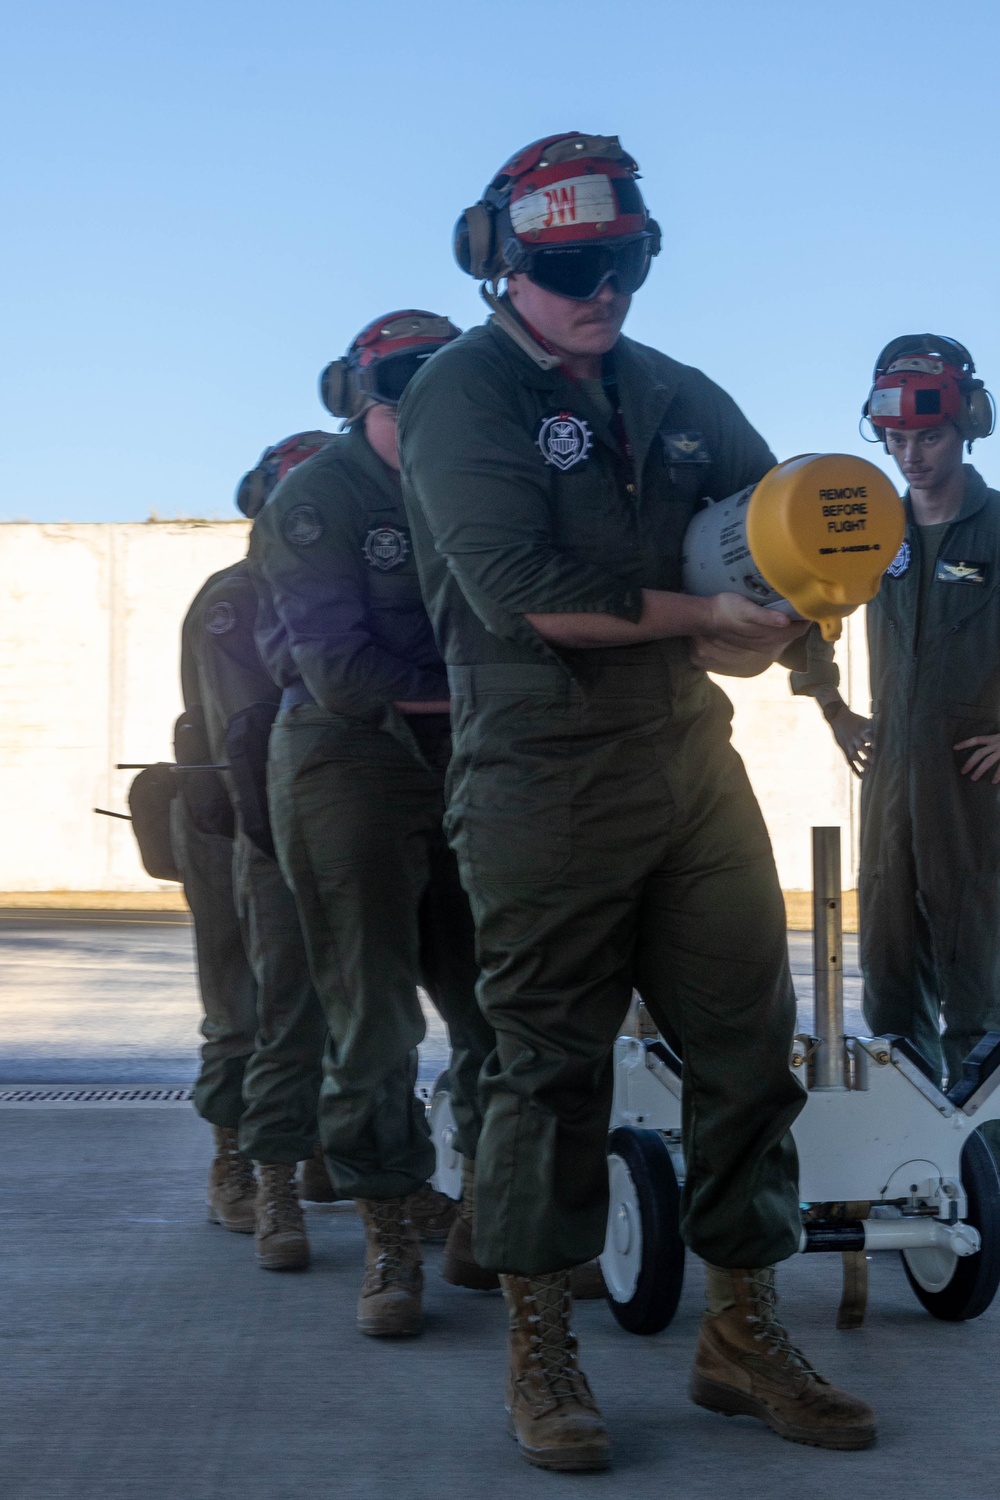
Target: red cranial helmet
[(383, 357), (924, 380), (273, 464), (567, 211)]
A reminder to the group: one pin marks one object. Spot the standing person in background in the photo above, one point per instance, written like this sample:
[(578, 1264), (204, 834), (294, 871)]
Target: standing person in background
[(929, 889), (202, 830), (356, 773), (605, 826), (281, 1078)]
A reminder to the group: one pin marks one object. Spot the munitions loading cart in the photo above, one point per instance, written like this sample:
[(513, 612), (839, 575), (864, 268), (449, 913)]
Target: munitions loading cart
[(887, 1161)]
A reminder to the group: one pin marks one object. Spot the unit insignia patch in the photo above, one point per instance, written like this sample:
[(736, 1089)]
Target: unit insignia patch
[(386, 547), (564, 440), (959, 572), (220, 618), (900, 562), (302, 526), (685, 448)]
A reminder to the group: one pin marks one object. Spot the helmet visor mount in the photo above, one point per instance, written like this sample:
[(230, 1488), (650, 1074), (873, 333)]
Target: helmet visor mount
[(578, 272)]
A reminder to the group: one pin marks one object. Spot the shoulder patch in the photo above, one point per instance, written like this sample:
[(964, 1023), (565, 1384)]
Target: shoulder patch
[(685, 448), (564, 440), (302, 526), (900, 562), (386, 547), (220, 618)]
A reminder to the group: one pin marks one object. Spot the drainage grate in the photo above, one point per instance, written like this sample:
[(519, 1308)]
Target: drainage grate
[(89, 1094)]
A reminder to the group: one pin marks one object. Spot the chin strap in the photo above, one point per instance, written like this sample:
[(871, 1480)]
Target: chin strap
[(515, 329)]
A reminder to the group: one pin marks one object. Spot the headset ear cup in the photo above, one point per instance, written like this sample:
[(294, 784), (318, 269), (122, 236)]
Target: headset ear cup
[(878, 431), (657, 237), (243, 493), (333, 388), (473, 241), (981, 412), (254, 490)]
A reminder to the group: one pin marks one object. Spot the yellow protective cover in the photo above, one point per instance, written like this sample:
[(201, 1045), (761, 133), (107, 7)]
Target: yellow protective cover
[(822, 529)]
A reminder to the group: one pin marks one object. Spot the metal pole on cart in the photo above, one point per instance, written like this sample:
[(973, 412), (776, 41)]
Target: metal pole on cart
[(828, 1028), (828, 959)]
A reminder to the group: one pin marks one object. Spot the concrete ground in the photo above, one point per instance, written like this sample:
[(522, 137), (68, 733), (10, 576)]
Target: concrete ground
[(143, 1356), (112, 998)]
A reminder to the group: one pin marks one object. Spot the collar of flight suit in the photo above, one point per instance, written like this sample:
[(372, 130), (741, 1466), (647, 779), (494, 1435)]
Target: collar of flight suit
[(647, 383), (973, 499), (359, 451)]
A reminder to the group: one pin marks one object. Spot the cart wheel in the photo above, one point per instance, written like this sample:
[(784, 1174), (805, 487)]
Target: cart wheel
[(958, 1287), (643, 1259), (448, 1170)]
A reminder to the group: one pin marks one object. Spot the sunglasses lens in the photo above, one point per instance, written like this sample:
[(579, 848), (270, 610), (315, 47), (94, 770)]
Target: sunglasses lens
[(579, 273)]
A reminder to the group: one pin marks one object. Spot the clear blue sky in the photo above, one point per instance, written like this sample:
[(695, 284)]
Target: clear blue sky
[(204, 201)]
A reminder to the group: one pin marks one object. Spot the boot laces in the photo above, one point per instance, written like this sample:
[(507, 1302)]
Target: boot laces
[(553, 1343), (239, 1173), (282, 1207), (389, 1225), (769, 1331)]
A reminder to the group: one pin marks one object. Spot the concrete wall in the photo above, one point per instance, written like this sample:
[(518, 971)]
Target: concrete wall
[(89, 654), (89, 647)]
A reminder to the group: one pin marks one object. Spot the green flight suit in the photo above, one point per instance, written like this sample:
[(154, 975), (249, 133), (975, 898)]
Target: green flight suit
[(356, 791), (282, 1078), (929, 887), (203, 851), (605, 827)]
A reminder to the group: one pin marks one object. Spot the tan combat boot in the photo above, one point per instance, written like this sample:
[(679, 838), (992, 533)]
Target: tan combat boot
[(432, 1213), (552, 1413), (314, 1179), (459, 1264), (231, 1183), (746, 1365), (279, 1231), (389, 1303)]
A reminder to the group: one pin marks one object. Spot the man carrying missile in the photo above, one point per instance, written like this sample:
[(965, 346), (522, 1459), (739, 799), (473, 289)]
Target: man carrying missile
[(929, 757), (252, 962), (605, 828), (356, 775)]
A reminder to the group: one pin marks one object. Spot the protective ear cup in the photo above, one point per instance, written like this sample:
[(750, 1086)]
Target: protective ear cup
[(334, 389), (252, 491), (243, 493), (980, 412), (474, 241), (656, 234)]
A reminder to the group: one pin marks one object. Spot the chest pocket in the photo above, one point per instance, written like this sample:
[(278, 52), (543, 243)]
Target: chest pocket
[(675, 482), (593, 514), (686, 458), (955, 599), (390, 570)]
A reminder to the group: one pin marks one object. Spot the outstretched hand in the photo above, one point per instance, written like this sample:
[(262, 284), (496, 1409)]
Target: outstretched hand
[(853, 733), (986, 748)]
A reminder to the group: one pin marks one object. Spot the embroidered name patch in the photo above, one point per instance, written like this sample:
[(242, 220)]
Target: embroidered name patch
[(564, 440), (220, 618), (900, 562), (302, 526), (959, 572), (685, 448), (386, 547)]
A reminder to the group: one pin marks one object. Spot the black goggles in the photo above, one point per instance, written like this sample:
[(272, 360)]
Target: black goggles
[(579, 271), (386, 379)]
